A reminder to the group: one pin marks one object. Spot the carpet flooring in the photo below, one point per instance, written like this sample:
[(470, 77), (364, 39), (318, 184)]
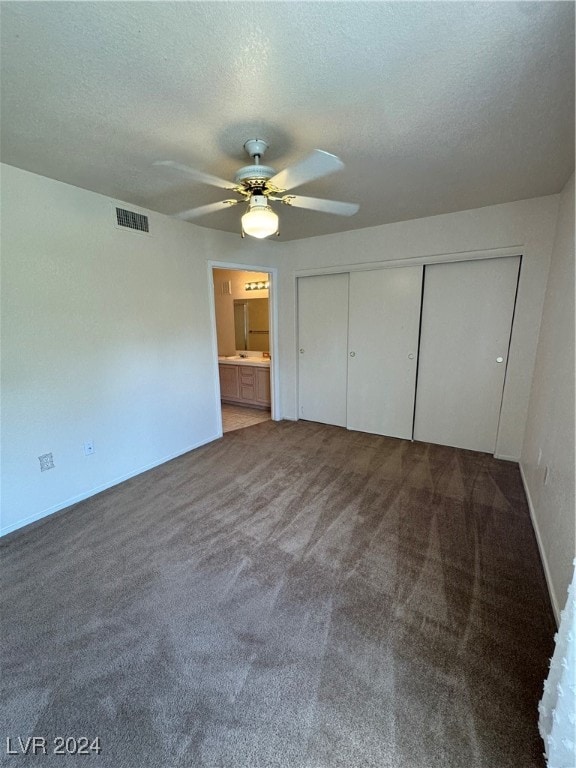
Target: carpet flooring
[(293, 595)]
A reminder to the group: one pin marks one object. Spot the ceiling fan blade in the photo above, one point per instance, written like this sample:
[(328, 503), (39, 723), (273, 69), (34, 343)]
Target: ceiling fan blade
[(204, 178), (314, 166), (195, 213), (317, 204)]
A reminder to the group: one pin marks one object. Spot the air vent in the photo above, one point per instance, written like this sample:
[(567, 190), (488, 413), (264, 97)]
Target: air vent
[(131, 220)]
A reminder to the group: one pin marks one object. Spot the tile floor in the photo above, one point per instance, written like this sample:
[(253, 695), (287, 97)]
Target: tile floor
[(240, 416)]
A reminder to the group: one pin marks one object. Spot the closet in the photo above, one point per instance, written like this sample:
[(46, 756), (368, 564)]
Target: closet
[(467, 317), (358, 345), (384, 316), (410, 352), (323, 348)]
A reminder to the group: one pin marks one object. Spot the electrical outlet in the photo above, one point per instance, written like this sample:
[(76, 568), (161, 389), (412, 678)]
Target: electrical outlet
[(89, 447), (46, 462)]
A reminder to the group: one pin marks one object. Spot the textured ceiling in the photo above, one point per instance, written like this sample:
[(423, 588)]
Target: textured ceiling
[(433, 107)]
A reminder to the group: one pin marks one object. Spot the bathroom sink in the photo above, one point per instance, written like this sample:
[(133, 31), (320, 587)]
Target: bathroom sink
[(248, 360)]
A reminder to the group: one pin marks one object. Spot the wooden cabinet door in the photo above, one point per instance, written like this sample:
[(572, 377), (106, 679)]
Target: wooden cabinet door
[(229, 381), (262, 379)]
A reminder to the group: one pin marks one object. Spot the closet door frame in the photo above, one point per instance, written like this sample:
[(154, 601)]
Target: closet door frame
[(495, 253)]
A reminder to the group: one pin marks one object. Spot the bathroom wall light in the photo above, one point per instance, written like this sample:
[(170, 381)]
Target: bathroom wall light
[(259, 286)]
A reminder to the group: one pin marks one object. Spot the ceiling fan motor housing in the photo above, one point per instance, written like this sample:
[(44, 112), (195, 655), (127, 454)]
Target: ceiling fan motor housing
[(252, 174)]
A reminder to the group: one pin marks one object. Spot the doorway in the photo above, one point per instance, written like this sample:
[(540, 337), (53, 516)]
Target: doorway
[(242, 316)]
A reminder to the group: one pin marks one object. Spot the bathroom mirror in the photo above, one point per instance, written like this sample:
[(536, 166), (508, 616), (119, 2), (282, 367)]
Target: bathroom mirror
[(251, 325)]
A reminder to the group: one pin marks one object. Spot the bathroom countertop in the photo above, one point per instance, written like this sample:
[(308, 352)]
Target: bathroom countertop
[(259, 362)]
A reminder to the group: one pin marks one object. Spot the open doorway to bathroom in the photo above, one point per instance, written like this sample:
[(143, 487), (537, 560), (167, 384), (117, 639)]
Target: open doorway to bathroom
[(242, 313)]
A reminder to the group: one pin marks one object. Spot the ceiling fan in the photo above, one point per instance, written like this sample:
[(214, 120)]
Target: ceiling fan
[(258, 185)]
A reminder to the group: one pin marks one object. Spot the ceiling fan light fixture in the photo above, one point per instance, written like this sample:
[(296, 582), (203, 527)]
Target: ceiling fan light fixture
[(260, 221), (259, 184)]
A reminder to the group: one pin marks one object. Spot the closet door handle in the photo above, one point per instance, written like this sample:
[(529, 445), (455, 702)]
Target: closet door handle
[(352, 354), (410, 356), (301, 351)]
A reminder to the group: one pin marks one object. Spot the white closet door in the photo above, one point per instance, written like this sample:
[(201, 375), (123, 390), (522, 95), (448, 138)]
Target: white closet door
[(467, 316), (383, 350), (322, 342)]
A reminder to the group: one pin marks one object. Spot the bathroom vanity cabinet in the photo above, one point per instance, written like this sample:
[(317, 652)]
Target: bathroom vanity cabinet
[(245, 383)]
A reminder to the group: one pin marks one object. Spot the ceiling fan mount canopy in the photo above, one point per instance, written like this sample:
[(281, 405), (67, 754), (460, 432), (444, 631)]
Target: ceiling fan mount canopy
[(263, 182), (255, 147)]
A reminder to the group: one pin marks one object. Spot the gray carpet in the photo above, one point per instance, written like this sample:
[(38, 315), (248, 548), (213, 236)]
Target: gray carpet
[(293, 595)]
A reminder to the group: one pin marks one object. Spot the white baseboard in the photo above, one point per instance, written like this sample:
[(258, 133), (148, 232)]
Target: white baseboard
[(506, 458), (98, 489), (553, 600)]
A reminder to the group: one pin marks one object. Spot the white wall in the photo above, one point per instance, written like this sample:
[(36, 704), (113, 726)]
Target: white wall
[(106, 336), (526, 226), (550, 424)]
